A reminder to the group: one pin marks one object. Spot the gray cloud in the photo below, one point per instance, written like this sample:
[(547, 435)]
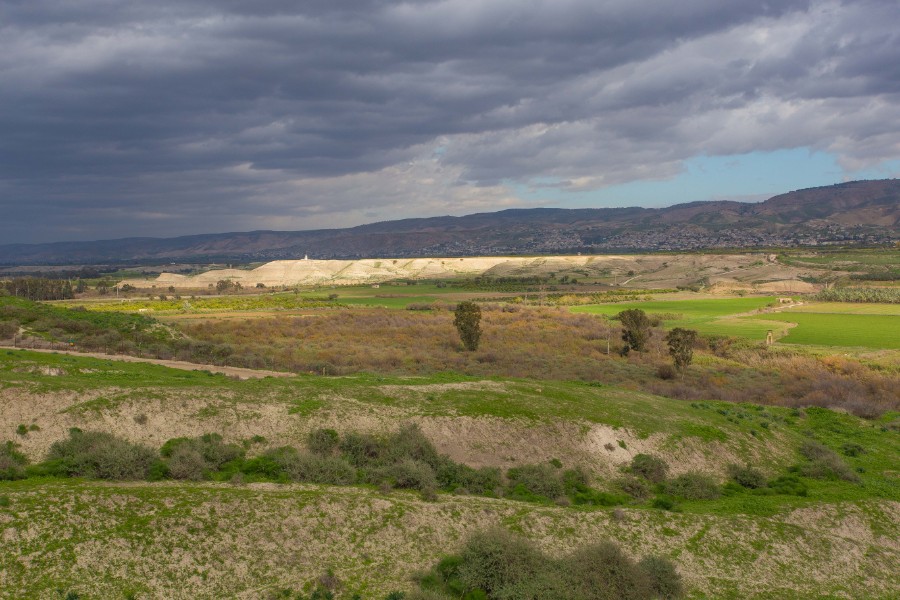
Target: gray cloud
[(165, 118)]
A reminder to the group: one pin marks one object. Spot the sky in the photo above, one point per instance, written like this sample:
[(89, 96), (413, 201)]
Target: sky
[(127, 118)]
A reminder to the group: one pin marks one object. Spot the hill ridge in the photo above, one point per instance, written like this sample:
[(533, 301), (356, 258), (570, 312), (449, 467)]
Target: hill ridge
[(857, 212)]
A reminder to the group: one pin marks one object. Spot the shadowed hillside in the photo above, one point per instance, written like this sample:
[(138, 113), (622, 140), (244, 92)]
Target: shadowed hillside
[(865, 212)]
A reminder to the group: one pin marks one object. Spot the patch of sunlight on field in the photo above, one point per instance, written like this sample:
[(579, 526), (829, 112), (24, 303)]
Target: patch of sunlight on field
[(708, 316), (754, 329), (832, 329), (391, 302), (848, 308)]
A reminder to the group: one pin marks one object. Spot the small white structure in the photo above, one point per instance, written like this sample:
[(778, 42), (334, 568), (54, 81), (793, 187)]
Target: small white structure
[(306, 257)]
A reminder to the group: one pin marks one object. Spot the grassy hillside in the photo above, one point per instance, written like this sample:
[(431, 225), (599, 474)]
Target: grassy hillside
[(208, 540), (214, 541)]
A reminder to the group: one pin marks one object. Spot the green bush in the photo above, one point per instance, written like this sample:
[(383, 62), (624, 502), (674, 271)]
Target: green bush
[(824, 463), (851, 449), (664, 502), (186, 462), (410, 443), (602, 571), (495, 560), (8, 329), (636, 487), (361, 449), (456, 477), (789, 485), (323, 441), (266, 466), (312, 468), (412, 474), (496, 564), (747, 476), (12, 462), (575, 483), (694, 486), (541, 480), (99, 455), (195, 458), (649, 467), (665, 582)]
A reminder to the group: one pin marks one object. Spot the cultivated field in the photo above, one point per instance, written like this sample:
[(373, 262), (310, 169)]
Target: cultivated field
[(836, 329)]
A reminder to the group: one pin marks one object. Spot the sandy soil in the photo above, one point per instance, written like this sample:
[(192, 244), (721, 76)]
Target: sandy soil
[(744, 271)]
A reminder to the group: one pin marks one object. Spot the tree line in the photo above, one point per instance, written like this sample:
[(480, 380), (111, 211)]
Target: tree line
[(38, 288)]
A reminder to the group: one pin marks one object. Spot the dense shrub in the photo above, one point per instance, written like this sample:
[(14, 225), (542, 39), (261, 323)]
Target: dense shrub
[(576, 483), (409, 442), (312, 468), (694, 486), (666, 372), (412, 474), (186, 462), (824, 463), (789, 485), (602, 571), (665, 582), (456, 477), (541, 480), (194, 458), (360, 449), (649, 467), (12, 462), (8, 329), (495, 560), (636, 487), (101, 455), (322, 441), (747, 476), (496, 564)]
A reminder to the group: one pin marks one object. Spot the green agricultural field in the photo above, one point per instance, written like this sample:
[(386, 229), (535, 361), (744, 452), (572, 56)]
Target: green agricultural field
[(709, 316), (385, 300), (834, 329), (847, 308)]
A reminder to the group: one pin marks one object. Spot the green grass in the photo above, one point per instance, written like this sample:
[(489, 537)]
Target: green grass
[(848, 308), (373, 541), (864, 330), (744, 428), (394, 301), (708, 316)]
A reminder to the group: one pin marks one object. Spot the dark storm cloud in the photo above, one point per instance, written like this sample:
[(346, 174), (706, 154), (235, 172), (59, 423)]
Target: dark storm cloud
[(173, 117)]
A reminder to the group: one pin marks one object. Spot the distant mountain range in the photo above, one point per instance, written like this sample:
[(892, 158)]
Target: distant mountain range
[(859, 212)]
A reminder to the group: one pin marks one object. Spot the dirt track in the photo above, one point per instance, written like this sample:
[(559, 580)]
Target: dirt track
[(239, 372)]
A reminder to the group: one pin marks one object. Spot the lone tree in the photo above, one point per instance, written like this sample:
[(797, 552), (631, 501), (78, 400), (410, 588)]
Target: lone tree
[(635, 328), (468, 324), (681, 347)]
